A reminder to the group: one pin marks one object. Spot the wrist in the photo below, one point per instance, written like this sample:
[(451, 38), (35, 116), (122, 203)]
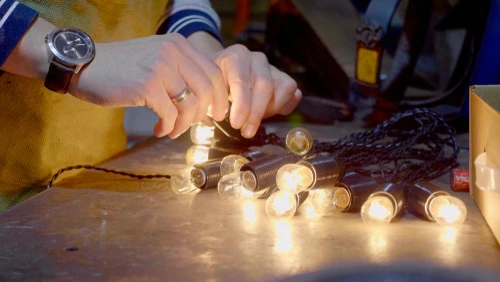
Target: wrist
[(30, 57), (205, 42)]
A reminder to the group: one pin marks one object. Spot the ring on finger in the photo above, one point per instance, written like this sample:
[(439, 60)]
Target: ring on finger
[(181, 96)]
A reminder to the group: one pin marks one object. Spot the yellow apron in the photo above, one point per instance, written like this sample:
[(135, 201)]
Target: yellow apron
[(42, 131)]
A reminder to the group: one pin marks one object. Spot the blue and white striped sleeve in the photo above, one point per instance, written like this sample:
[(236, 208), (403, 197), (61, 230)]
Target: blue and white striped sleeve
[(189, 16), (15, 19)]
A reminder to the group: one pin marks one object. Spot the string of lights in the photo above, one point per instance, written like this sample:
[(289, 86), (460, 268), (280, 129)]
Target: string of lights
[(376, 172)]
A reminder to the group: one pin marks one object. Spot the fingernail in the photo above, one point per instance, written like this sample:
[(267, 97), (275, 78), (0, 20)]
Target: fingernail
[(238, 122), (249, 130)]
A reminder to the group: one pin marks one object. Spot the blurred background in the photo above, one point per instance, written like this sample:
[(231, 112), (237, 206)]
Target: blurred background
[(424, 53)]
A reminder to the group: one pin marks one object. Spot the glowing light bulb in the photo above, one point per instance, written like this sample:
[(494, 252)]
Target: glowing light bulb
[(281, 205), (196, 155), (180, 181), (329, 200), (201, 134), (377, 210), (294, 178), (299, 141), (231, 189), (231, 164), (447, 210)]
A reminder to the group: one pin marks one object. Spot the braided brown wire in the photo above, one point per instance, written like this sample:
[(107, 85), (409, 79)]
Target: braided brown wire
[(128, 174), (411, 146)]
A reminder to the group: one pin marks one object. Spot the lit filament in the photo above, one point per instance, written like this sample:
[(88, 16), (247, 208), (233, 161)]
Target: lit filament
[(447, 210), (294, 178), (196, 155), (202, 134), (449, 213), (281, 205), (377, 210)]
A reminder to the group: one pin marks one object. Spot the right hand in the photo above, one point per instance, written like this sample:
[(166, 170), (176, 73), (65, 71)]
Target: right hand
[(150, 71)]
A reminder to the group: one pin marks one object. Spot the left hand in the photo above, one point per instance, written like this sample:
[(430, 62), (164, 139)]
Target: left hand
[(257, 89)]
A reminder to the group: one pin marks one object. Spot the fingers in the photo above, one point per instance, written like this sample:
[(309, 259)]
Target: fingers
[(161, 105), (286, 95), (182, 72), (218, 98), (262, 92), (236, 66)]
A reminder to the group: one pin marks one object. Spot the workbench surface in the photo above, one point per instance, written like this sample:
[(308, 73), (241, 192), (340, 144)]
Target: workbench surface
[(103, 226)]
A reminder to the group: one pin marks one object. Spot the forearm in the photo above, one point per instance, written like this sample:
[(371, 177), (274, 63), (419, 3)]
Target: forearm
[(30, 58), (205, 42)]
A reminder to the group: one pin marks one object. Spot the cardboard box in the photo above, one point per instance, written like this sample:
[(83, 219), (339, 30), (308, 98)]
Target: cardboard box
[(485, 137)]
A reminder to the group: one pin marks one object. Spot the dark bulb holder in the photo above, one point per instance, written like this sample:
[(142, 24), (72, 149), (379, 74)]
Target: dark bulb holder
[(360, 188), (301, 198), (394, 191), (253, 155), (419, 196), (220, 149), (326, 171), (206, 175), (225, 132), (264, 170)]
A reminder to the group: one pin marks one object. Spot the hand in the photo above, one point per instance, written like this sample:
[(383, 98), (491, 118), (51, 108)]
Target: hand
[(150, 71), (257, 89)]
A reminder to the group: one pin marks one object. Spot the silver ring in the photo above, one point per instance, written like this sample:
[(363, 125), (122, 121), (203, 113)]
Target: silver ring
[(182, 96)]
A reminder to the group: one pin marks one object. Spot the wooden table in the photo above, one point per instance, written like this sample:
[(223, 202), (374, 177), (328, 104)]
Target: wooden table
[(98, 226)]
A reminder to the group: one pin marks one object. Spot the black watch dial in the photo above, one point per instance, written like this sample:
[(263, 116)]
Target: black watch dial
[(71, 45)]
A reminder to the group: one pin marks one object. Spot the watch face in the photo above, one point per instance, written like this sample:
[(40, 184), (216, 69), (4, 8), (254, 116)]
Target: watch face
[(71, 46)]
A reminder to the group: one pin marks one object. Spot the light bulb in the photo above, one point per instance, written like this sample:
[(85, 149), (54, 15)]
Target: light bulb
[(299, 141), (197, 154), (447, 210), (378, 209), (180, 181), (201, 134), (231, 188), (231, 164), (329, 200), (294, 178), (281, 205)]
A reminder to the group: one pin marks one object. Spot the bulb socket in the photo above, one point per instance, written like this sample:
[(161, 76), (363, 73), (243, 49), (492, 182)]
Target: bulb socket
[(394, 191), (359, 188), (253, 155), (224, 131), (301, 198), (261, 173), (206, 175), (326, 171), (419, 197), (220, 149)]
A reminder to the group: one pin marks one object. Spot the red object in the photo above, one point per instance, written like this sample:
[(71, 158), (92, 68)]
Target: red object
[(459, 179)]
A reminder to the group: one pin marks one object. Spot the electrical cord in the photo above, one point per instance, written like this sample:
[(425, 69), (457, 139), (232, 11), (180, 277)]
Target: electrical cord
[(409, 147), (132, 175)]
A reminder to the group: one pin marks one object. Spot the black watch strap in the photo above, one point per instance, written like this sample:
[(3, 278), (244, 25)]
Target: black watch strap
[(58, 77)]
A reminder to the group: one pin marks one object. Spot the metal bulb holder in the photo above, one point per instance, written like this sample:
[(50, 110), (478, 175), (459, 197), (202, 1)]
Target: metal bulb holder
[(206, 175)]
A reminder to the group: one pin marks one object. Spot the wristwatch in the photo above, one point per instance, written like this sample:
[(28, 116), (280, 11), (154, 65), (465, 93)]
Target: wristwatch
[(69, 50)]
